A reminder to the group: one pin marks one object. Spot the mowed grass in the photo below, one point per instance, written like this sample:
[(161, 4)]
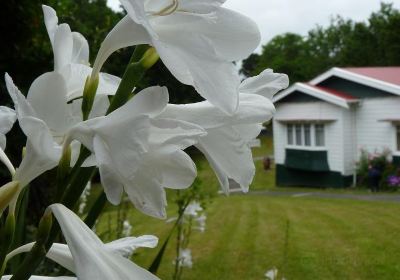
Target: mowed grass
[(305, 238)]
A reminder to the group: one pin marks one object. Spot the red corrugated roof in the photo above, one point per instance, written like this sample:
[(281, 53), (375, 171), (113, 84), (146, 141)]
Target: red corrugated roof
[(334, 92), (385, 74)]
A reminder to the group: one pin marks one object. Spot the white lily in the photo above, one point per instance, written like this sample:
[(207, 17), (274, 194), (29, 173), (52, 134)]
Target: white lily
[(226, 144), (36, 277), (92, 259), (7, 120), (139, 153), (193, 209), (45, 117), (71, 57), (196, 40), (185, 258), (87, 256), (61, 253)]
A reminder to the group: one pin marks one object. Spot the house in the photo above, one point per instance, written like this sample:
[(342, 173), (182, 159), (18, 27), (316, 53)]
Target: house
[(321, 126)]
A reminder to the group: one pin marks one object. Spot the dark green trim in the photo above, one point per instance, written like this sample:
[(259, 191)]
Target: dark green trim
[(396, 161), (307, 160), (298, 96), (354, 89), (294, 177)]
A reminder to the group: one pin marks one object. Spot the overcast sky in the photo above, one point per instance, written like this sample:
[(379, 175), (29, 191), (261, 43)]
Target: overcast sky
[(299, 16)]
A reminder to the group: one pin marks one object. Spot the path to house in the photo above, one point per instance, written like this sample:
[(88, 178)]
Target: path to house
[(367, 197)]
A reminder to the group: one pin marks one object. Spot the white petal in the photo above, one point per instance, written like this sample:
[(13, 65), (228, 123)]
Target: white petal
[(110, 177), (91, 258), (80, 50), (108, 84), (150, 102), (193, 61), (48, 97), (252, 109), (35, 277), (177, 169), (7, 119), (146, 192), (229, 155), (266, 84), (62, 47), (232, 35), (248, 131), (51, 21), (126, 33), (35, 162), (126, 246), (22, 107), (75, 76), (200, 6), (172, 135)]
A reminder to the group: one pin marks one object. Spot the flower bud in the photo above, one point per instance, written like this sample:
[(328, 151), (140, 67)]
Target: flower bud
[(7, 193), (64, 164), (44, 227), (89, 93), (149, 58)]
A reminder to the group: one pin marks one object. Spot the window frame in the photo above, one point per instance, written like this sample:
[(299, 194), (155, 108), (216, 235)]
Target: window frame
[(294, 126)]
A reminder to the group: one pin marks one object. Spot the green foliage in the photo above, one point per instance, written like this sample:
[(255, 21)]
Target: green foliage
[(379, 161), (343, 43)]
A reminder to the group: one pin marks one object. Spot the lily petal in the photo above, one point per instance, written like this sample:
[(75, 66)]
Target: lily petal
[(7, 120), (48, 98), (126, 246), (229, 155), (266, 84), (62, 47), (91, 258), (126, 33), (80, 49), (36, 277)]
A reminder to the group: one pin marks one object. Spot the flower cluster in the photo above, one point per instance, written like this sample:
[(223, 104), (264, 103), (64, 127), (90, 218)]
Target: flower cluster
[(75, 117)]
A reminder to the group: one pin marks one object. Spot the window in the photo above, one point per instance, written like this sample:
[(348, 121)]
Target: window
[(307, 135), (299, 139), (319, 135), (398, 137), (290, 134), (312, 135)]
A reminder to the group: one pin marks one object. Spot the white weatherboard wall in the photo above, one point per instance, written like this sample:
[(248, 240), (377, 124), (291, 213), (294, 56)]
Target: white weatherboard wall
[(311, 111), (349, 139), (373, 134)]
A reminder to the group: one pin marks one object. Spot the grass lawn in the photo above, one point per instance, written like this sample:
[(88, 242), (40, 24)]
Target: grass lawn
[(305, 238)]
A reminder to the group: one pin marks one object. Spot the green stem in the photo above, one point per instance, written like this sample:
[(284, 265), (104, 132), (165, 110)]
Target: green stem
[(95, 210)]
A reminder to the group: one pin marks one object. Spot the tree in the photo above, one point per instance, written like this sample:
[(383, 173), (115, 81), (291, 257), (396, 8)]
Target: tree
[(343, 43)]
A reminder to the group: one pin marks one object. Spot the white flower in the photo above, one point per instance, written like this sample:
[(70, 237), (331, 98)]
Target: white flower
[(226, 144), (127, 228), (91, 258), (139, 153), (196, 40), (201, 223), (185, 258), (272, 274), (71, 58), (193, 208), (45, 117), (36, 277), (7, 119), (61, 254), (87, 256)]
